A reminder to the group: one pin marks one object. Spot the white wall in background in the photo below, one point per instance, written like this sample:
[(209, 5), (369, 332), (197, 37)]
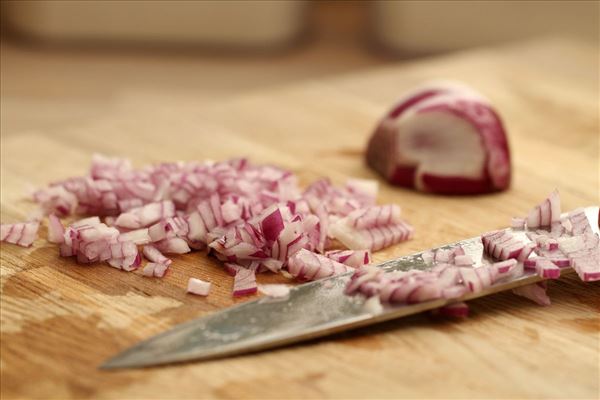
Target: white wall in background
[(432, 26), (215, 23)]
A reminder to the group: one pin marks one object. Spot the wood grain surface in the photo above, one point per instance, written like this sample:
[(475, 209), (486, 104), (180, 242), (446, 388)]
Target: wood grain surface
[(61, 320)]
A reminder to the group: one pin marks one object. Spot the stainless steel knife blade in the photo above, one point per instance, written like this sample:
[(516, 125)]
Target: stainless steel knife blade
[(311, 310)]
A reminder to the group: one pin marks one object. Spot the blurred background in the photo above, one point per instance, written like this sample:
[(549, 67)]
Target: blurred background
[(64, 61)]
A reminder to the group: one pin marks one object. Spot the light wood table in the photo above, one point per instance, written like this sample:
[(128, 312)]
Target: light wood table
[(61, 320)]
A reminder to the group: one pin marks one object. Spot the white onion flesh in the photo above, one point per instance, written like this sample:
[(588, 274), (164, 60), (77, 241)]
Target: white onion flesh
[(198, 287)]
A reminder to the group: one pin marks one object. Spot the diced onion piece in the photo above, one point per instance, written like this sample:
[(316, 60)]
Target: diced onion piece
[(91, 221), (374, 216), (517, 223), (454, 310), (506, 266), (146, 215), (535, 292), (173, 246), (153, 254), (428, 257), (463, 260), (231, 269), (351, 258), (274, 290), (198, 287), (526, 252), (502, 245), (156, 270), (22, 233), (373, 305), (308, 266), (56, 200), (244, 282), (546, 212), (372, 238), (56, 230), (138, 236), (547, 269), (127, 263), (444, 256)]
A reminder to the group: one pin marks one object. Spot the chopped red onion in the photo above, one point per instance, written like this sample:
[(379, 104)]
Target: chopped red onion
[(22, 233), (506, 266), (502, 245), (168, 228), (128, 204), (308, 266), (374, 238), (146, 215), (364, 189), (579, 222), (231, 269), (428, 257), (582, 251), (127, 263), (91, 221), (198, 287), (373, 305), (173, 246), (444, 256), (565, 243), (518, 223), (547, 269), (154, 255), (289, 241), (56, 200), (526, 252), (463, 260), (546, 212), (351, 258), (374, 216), (556, 256), (535, 292), (454, 310), (244, 282), (275, 290), (56, 230), (245, 214), (138, 236), (156, 270)]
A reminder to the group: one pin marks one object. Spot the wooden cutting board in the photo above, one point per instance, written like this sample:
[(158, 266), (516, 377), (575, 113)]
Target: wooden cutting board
[(61, 320)]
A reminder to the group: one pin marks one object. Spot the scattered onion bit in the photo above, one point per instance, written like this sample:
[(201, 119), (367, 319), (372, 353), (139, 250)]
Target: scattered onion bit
[(535, 292), (351, 258), (156, 270), (274, 290), (454, 310), (244, 282), (22, 233), (56, 230), (305, 265), (198, 287)]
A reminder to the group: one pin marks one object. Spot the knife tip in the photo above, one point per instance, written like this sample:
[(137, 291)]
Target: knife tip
[(113, 363), (122, 361)]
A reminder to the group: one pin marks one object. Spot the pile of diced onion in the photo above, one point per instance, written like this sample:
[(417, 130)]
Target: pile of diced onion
[(555, 243), (254, 218)]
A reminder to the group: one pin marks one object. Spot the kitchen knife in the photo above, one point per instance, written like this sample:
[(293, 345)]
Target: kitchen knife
[(311, 310)]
